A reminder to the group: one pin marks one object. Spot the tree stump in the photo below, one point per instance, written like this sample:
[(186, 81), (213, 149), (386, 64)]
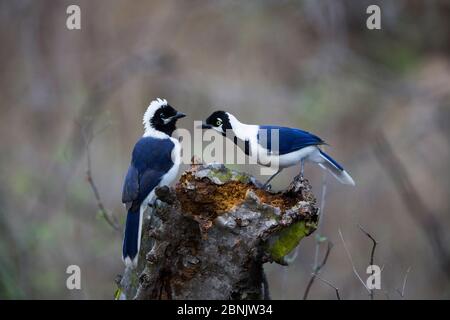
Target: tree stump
[(209, 237)]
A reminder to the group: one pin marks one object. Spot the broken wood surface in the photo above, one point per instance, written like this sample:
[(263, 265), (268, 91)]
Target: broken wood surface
[(209, 237)]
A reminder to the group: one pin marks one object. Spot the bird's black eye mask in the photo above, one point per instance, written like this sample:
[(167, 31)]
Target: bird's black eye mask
[(165, 119), (164, 112), (217, 119)]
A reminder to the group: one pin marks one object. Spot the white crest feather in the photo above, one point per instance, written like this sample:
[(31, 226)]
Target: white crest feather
[(148, 115)]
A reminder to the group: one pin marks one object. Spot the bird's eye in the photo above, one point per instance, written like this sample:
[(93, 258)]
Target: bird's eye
[(218, 122), (163, 115)]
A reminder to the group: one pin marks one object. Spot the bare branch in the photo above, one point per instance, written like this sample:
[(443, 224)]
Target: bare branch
[(317, 267), (317, 270), (405, 279), (351, 261), (325, 258), (372, 253), (321, 220), (88, 137), (338, 296)]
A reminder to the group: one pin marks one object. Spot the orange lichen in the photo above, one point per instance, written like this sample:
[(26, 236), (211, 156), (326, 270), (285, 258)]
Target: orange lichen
[(210, 200)]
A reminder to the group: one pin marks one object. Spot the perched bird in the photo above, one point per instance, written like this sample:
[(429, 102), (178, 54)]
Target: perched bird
[(154, 162), (293, 145)]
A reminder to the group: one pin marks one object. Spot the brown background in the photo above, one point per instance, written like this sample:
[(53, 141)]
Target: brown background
[(308, 64)]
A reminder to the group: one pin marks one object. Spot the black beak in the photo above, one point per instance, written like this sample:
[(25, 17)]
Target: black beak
[(206, 126), (179, 115)]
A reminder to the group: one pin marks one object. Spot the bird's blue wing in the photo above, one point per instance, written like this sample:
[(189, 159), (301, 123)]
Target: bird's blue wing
[(290, 139), (151, 159), (130, 189)]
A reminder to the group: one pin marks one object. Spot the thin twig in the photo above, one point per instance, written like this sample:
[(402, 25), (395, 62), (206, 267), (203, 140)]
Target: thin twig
[(338, 296), (321, 219), (110, 219), (317, 267), (405, 279), (372, 253), (351, 261), (317, 271)]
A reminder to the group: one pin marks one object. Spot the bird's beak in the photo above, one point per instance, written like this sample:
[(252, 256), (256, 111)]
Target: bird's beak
[(179, 115), (205, 126)]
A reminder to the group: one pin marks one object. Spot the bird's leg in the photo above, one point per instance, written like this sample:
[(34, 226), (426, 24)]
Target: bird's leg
[(270, 179), (302, 166)]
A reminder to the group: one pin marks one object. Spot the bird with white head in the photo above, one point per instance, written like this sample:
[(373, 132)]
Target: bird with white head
[(155, 162)]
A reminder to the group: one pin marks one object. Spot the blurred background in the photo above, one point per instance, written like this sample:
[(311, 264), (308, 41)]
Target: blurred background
[(307, 64)]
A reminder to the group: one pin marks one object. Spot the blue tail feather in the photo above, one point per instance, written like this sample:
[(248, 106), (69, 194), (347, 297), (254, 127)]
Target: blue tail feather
[(131, 239), (334, 162), (327, 162)]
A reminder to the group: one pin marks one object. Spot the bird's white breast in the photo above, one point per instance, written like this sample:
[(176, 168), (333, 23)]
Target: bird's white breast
[(171, 175)]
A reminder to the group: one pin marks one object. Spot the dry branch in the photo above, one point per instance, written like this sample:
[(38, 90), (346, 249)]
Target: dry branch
[(316, 271), (336, 289), (351, 261), (372, 252), (87, 138), (405, 279)]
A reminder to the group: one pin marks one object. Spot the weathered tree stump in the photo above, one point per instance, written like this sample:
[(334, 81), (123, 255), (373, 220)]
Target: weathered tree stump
[(209, 237)]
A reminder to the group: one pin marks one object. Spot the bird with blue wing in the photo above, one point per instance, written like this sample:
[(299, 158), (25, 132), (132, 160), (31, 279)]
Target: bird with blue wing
[(155, 161), (282, 146)]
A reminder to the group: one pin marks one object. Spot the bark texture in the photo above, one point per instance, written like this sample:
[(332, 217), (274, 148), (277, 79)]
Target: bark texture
[(209, 237)]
